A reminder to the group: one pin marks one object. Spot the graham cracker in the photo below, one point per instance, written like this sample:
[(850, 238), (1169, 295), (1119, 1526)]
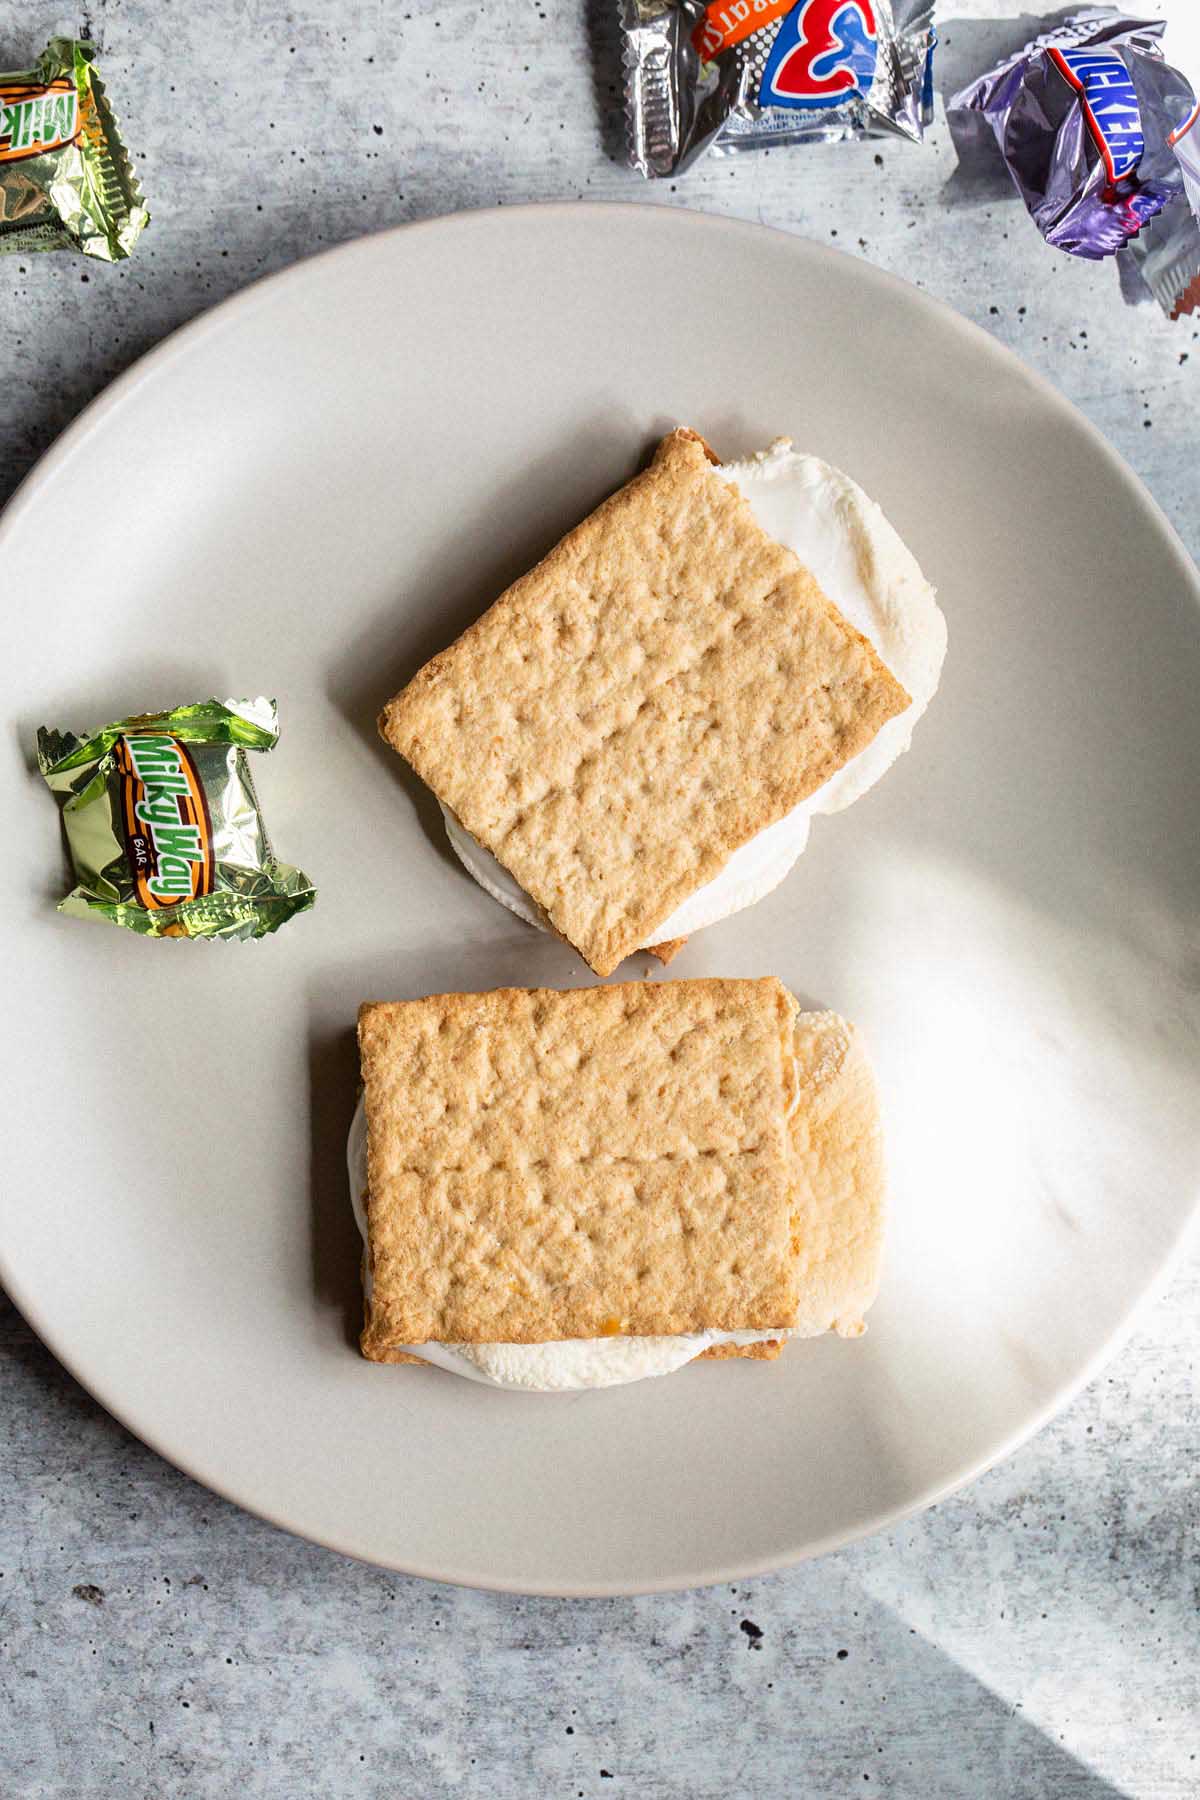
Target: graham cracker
[(665, 684), (838, 1146), (765, 1352), (547, 1165)]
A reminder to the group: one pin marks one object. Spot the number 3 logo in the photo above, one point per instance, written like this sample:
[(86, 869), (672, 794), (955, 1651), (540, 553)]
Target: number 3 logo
[(824, 54)]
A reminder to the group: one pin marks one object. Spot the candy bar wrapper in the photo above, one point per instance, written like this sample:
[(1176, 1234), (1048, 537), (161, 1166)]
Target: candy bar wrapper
[(741, 74), (1167, 252), (163, 825), (1166, 255), (66, 181), (1085, 117)]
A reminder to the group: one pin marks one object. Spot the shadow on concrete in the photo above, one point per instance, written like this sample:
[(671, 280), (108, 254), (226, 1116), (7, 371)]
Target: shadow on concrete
[(602, 24), (967, 49)]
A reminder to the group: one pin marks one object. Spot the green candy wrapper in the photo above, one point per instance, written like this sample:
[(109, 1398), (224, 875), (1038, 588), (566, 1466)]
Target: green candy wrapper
[(66, 181), (163, 825)]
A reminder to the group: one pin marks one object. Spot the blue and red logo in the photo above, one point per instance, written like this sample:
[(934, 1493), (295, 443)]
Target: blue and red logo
[(823, 55), (1110, 106)]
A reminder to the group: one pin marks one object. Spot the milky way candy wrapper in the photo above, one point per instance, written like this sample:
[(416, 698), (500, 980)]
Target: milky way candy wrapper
[(66, 181), (163, 826)]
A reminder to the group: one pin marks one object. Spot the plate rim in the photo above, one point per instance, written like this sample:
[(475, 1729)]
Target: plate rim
[(207, 323)]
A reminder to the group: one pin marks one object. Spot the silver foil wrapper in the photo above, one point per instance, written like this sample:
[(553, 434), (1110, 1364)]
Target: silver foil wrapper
[(1166, 252), (742, 74)]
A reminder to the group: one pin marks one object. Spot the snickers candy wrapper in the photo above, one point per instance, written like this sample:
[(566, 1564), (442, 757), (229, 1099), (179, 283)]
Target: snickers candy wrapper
[(163, 826), (1088, 118), (66, 181), (741, 74)]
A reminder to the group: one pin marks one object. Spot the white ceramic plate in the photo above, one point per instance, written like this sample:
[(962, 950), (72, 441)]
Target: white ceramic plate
[(308, 492)]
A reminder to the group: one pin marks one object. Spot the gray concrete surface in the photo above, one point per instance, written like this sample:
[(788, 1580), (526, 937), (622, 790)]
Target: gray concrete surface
[(1033, 1636)]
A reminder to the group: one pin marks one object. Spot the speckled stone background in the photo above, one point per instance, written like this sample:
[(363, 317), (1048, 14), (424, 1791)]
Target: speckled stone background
[(1033, 1636)]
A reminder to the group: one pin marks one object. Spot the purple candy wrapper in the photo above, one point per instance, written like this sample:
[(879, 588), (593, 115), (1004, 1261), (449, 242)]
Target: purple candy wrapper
[(1085, 117), (731, 75)]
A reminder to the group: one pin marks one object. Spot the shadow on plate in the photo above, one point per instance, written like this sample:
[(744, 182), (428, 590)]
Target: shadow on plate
[(336, 1246), (481, 557)]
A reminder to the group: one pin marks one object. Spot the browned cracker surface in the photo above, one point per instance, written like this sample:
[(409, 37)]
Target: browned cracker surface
[(765, 1352), (668, 682), (840, 1191), (547, 1165)]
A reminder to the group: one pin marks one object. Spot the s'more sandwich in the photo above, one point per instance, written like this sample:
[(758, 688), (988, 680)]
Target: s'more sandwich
[(578, 1189), (631, 743)]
